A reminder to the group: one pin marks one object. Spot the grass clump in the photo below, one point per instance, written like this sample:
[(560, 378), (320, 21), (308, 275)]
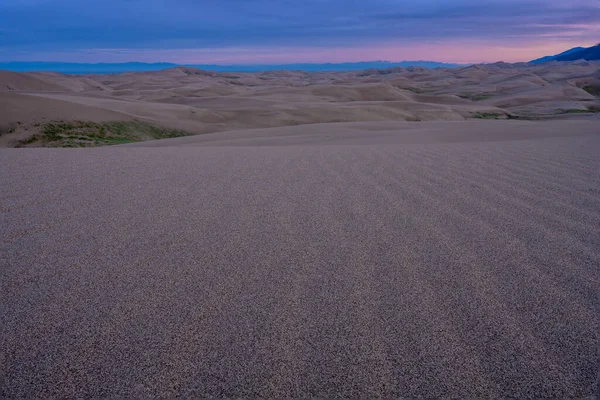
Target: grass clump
[(524, 117), (593, 90), (6, 129), (489, 115), (93, 134), (414, 90), (591, 109)]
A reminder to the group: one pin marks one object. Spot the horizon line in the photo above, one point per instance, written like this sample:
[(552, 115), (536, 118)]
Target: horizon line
[(244, 64)]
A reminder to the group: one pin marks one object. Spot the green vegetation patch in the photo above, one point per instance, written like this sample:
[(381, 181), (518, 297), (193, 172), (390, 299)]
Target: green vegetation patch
[(489, 115), (92, 134), (591, 109), (6, 129), (524, 117), (593, 90), (414, 90)]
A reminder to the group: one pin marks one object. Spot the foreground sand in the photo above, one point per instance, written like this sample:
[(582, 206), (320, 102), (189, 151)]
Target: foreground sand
[(445, 259)]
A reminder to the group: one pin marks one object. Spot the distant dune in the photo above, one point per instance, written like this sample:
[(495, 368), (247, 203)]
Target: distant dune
[(199, 101)]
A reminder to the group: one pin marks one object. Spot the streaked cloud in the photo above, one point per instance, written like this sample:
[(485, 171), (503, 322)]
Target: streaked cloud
[(135, 27)]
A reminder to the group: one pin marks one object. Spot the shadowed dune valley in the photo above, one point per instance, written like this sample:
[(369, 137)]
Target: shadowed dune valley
[(229, 199)]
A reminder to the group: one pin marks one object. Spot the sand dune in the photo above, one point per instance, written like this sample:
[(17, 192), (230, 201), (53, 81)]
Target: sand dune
[(14, 81), (203, 101), (389, 132), (18, 107), (372, 259)]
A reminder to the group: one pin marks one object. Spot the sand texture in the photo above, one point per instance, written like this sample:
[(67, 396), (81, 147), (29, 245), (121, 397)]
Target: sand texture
[(431, 259)]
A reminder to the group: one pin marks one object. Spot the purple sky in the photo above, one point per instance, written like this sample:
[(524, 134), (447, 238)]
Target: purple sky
[(289, 31)]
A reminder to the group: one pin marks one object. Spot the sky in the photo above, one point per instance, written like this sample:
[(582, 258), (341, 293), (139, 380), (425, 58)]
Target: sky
[(293, 31)]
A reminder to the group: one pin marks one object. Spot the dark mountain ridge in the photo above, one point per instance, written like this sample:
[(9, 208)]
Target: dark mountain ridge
[(574, 54)]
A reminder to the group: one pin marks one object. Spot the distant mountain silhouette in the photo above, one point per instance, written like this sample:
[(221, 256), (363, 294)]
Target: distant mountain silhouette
[(577, 53), (107, 68)]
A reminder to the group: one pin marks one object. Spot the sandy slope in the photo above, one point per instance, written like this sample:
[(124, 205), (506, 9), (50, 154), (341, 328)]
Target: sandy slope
[(202, 101), (25, 108), (439, 259), (381, 133)]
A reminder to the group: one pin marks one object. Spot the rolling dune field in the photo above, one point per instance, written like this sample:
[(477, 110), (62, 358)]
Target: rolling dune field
[(196, 102)]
